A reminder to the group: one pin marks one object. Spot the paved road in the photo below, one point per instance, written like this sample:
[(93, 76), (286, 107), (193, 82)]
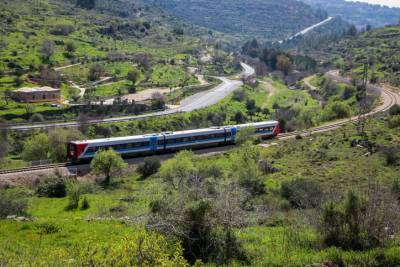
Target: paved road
[(306, 30), (194, 102)]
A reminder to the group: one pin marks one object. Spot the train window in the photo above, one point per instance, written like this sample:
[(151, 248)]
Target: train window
[(160, 142), (91, 150)]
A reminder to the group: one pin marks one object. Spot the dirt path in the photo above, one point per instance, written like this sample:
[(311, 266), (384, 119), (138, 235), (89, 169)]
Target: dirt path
[(66, 67), (307, 82), (269, 87)]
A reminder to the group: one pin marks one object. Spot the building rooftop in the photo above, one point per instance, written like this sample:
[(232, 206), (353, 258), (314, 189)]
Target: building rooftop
[(36, 89)]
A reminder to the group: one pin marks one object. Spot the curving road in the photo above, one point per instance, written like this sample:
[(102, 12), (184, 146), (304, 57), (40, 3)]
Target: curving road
[(194, 102)]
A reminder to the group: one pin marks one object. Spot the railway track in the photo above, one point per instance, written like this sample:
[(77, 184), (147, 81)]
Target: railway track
[(36, 168), (389, 99)]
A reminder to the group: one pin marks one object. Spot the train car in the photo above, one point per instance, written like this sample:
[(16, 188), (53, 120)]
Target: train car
[(140, 145)]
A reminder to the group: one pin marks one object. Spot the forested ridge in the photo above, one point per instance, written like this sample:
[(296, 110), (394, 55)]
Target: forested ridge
[(267, 19)]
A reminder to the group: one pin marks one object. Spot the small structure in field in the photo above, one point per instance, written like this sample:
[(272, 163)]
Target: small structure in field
[(37, 94)]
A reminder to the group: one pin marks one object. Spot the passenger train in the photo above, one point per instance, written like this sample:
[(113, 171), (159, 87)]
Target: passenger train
[(151, 144)]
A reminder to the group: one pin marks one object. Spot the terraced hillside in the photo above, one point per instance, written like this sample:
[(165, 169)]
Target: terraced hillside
[(357, 13), (379, 47), (268, 19)]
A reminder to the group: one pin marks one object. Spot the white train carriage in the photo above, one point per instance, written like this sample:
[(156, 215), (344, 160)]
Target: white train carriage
[(151, 144)]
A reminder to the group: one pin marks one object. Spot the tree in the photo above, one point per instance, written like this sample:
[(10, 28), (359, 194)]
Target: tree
[(83, 121), (50, 77), (352, 31), (143, 60), (18, 81), (58, 138), (70, 49), (108, 163), (157, 101), (284, 64), (46, 50), (29, 109), (245, 135), (7, 95), (133, 76), (36, 147), (95, 72)]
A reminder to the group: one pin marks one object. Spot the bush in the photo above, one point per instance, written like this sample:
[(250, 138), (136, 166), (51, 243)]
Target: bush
[(336, 110), (239, 95), (48, 228), (360, 223), (301, 193), (150, 166), (12, 203), (37, 117), (394, 122), (395, 110), (391, 154), (85, 204), (64, 30), (52, 186), (74, 195)]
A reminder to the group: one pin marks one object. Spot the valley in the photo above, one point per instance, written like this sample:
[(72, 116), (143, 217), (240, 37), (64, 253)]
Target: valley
[(199, 133)]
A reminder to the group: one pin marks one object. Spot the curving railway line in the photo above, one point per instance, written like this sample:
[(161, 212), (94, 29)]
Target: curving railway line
[(389, 99)]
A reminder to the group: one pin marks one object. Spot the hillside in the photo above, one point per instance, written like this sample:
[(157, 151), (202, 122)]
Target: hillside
[(379, 47), (272, 20), (357, 13), (102, 42)]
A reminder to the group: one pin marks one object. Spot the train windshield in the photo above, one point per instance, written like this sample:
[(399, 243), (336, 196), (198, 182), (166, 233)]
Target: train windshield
[(72, 150)]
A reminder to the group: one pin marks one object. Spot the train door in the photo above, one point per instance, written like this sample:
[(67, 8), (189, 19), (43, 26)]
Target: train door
[(153, 143)]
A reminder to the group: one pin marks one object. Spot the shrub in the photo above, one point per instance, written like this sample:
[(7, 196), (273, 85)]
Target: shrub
[(74, 194), (359, 223), (85, 204), (36, 147), (336, 110), (239, 95), (52, 186), (64, 30), (391, 155), (395, 110), (12, 203), (394, 122), (150, 166), (37, 118), (48, 228), (301, 193)]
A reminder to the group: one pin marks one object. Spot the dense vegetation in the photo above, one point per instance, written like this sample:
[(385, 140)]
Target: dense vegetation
[(272, 20)]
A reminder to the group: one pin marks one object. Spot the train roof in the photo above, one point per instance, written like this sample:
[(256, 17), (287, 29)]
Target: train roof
[(178, 133)]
